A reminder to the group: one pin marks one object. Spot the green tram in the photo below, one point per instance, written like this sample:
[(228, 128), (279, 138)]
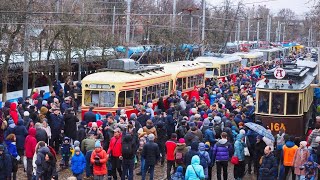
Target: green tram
[(284, 97)]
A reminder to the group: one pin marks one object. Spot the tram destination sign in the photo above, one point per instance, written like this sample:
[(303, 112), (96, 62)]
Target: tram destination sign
[(279, 81)]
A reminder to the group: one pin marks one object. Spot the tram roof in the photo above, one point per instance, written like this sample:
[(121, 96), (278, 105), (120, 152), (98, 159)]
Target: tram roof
[(302, 75), (180, 66), (250, 54), (223, 59), (274, 49)]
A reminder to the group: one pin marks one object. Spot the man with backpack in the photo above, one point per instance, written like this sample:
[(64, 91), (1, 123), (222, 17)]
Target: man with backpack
[(151, 154), (171, 145), (128, 153), (217, 126), (221, 153), (5, 164), (204, 158), (180, 152)]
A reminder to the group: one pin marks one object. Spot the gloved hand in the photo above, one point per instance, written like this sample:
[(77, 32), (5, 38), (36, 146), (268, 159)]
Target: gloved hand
[(97, 162), (18, 158)]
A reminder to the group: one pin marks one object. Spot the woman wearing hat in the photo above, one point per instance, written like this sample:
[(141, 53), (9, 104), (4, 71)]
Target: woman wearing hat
[(300, 158)]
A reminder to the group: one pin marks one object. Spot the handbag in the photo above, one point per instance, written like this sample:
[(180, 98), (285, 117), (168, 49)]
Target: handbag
[(196, 173), (235, 160), (246, 149)]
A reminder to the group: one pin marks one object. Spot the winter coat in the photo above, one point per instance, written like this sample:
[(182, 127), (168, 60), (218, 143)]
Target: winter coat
[(115, 146), (289, 150), (150, 130), (48, 131), (193, 151), (239, 147), (30, 143), (81, 133), (5, 166), (21, 132), (40, 159), (151, 153), (312, 138), (14, 113), (49, 168), (43, 114), (181, 147), (12, 149), (34, 116), (70, 126), (209, 135), (170, 125), (99, 169), (268, 168), (300, 158), (41, 135), (128, 140), (191, 137), (78, 163), (204, 154), (89, 117), (87, 145), (181, 132), (170, 147), (259, 150), (56, 124), (161, 133), (142, 119), (222, 150), (194, 170)]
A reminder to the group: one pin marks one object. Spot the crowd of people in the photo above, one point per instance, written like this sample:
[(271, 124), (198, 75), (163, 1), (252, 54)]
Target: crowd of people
[(189, 133)]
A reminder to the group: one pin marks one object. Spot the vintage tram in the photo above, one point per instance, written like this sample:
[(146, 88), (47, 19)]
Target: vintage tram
[(284, 97)]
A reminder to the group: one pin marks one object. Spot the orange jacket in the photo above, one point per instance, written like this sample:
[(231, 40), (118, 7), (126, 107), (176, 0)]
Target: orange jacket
[(288, 155), (99, 169)]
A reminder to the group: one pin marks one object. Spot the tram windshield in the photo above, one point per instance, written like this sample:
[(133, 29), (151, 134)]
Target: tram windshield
[(277, 103), (292, 103), (263, 102), (100, 98)]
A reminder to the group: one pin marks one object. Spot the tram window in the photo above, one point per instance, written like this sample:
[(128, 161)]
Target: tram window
[(263, 102), (167, 88), (162, 89), (144, 94), (277, 103), (91, 98), (153, 93), (121, 99), (184, 80), (222, 70), (179, 84), (129, 98), (158, 91), (292, 103), (215, 72), (137, 96), (107, 98)]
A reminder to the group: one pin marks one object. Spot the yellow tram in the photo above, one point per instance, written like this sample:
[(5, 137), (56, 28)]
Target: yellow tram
[(284, 98)]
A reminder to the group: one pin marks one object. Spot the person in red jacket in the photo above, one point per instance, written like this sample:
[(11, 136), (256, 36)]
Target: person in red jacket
[(171, 145), (99, 159), (115, 149), (195, 93), (30, 148), (14, 113)]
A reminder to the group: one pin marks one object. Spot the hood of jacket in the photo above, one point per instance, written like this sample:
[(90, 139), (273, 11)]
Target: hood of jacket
[(44, 150), (222, 141), (240, 136), (43, 110), (181, 146), (7, 104), (194, 146), (202, 147), (290, 144), (13, 107), (20, 122), (206, 122), (32, 132), (127, 138), (195, 160)]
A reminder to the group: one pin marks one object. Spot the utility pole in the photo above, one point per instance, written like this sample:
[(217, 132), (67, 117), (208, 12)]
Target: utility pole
[(258, 30), (128, 28), (284, 33), (26, 51), (203, 25), (190, 10), (174, 15), (248, 33), (113, 21), (238, 33), (56, 66), (280, 30), (148, 35)]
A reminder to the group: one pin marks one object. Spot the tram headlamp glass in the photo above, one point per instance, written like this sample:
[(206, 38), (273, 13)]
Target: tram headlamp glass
[(291, 81), (266, 81)]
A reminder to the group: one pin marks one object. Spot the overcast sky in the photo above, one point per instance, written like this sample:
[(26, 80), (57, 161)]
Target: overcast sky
[(298, 6)]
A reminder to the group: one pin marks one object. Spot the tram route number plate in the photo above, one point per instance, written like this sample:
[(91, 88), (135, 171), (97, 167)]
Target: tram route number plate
[(277, 81)]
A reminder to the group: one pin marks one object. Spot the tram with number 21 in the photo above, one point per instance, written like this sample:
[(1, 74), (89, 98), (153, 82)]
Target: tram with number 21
[(285, 97), (125, 83)]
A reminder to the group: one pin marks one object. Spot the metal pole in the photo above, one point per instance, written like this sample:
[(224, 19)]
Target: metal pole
[(248, 33), (128, 21), (174, 15), (203, 25), (280, 30), (277, 32), (56, 66), (270, 27), (258, 32), (191, 25), (149, 21), (284, 33), (26, 52), (267, 28), (318, 65), (113, 21), (239, 26)]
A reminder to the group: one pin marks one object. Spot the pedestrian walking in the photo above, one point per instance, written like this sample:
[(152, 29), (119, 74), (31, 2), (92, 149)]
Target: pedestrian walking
[(128, 154), (99, 159), (78, 163), (239, 168), (115, 153), (268, 168), (151, 154), (171, 145), (195, 170), (30, 148)]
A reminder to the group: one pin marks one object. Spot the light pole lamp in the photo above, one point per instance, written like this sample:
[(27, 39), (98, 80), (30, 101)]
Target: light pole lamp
[(190, 10)]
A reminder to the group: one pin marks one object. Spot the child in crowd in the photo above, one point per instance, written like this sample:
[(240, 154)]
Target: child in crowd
[(78, 163), (65, 152), (310, 169)]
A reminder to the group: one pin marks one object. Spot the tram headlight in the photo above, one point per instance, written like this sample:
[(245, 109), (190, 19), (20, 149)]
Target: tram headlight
[(266, 81)]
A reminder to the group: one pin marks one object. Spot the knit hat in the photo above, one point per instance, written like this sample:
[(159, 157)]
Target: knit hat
[(242, 131), (202, 146), (10, 121), (26, 114), (133, 116), (192, 124), (83, 123), (76, 143), (181, 140), (94, 124), (180, 169), (211, 125), (77, 149), (151, 137), (317, 139), (303, 143), (97, 144)]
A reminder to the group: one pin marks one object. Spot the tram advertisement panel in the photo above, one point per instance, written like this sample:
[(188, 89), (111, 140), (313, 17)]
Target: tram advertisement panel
[(291, 125)]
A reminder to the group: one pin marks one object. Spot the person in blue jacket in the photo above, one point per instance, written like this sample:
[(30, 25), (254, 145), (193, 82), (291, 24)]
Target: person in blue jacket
[(239, 145), (195, 170), (12, 150), (78, 163), (5, 164)]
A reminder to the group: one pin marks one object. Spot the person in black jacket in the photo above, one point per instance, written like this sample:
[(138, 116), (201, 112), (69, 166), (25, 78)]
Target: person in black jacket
[(81, 133), (90, 116), (128, 153), (161, 139), (56, 125), (33, 114), (193, 151), (143, 117), (41, 134), (5, 164), (21, 133), (151, 154), (269, 166), (70, 124)]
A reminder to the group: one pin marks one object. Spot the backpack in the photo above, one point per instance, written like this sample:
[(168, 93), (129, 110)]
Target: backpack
[(203, 160), (179, 158), (218, 131), (127, 150)]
